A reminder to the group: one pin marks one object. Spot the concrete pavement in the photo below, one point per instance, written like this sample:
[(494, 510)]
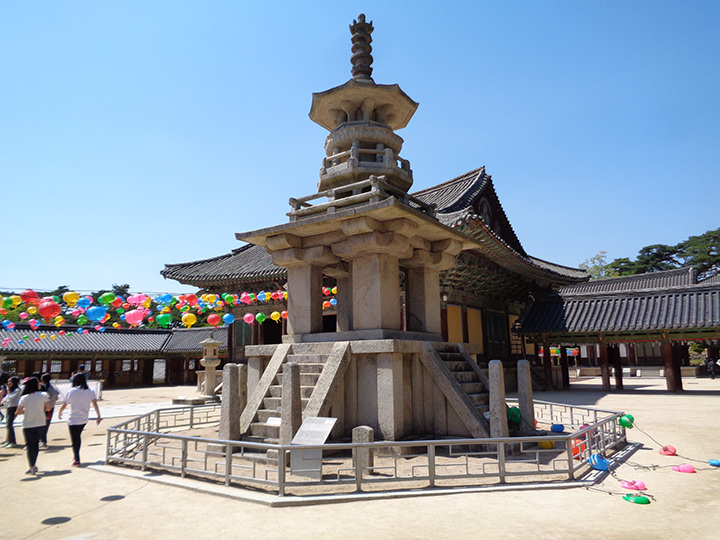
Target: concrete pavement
[(65, 502)]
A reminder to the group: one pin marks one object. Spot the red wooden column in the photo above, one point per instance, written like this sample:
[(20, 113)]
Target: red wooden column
[(674, 383), (604, 367), (547, 365), (678, 354), (564, 367), (632, 358), (617, 364)]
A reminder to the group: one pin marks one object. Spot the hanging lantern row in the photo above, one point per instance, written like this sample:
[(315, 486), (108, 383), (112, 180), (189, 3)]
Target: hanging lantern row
[(135, 310)]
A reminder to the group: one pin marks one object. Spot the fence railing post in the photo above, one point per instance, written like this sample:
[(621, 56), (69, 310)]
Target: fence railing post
[(358, 469), (501, 461), (183, 458), (281, 472), (570, 459), (107, 447), (228, 463), (431, 464), (144, 452)]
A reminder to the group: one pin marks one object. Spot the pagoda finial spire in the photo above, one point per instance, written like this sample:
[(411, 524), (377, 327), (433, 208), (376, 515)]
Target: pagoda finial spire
[(361, 48)]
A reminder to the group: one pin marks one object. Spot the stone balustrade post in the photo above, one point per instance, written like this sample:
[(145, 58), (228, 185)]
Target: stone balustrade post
[(498, 408), (290, 403), (363, 458), (525, 395)]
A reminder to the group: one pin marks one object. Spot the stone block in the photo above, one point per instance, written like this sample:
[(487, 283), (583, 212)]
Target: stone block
[(363, 458)]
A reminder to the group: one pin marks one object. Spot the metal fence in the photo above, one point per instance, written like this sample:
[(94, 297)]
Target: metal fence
[(163, 440)]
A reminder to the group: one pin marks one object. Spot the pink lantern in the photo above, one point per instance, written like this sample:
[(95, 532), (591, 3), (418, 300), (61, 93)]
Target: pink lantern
[(249, 318), (135, 317)]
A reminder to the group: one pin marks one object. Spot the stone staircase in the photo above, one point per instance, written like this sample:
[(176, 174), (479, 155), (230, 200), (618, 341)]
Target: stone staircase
[(471, 380), (264, 428)]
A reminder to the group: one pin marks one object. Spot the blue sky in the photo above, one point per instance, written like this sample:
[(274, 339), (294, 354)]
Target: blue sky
[(135, 134)]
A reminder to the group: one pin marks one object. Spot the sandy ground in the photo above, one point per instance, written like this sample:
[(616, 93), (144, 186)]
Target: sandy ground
[(65, 502)]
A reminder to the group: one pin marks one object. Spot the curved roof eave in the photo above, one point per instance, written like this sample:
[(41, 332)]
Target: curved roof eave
[(499, 251)]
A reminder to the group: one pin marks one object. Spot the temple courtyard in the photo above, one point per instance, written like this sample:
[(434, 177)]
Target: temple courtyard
[(65, 502)]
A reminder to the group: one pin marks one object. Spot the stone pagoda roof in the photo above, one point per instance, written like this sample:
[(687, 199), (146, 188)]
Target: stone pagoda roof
[(671, 303), (456, 203)]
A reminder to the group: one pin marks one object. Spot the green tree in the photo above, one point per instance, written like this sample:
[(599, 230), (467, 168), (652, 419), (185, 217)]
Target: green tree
[(702, 252), (597, 267), (656, 258), (623, 267)]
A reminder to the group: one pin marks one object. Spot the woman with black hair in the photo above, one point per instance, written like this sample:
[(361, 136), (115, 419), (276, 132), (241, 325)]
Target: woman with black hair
[(33, 405), (11, 402), (79, 397)]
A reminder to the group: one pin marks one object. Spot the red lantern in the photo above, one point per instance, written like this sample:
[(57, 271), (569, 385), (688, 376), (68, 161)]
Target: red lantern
[(49, 309), (29, 296)]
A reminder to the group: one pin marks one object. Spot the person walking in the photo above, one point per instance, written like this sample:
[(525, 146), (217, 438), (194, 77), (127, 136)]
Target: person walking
[(33, 406), (79, 397), (11, 403), (4, 376), (53, 393)]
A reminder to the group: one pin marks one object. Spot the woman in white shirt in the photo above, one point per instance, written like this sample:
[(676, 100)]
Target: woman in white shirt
[(79, 397), (33, 406)]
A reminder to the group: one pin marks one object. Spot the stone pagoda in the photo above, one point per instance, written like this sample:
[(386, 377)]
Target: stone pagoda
[(384, 365)]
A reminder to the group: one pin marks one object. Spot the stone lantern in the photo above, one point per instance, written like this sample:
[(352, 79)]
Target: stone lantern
[(210, 361)]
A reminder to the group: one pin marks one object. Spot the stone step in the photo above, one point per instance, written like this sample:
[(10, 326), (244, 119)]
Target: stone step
[(465, 376), (260, 429), (482, 409), (306, 358), (264, 414), (479, 399), (306, 379), (272, 403), (452, 356), (305, 391), (473, 388), (459, 365), (310, 367), (268, 440)]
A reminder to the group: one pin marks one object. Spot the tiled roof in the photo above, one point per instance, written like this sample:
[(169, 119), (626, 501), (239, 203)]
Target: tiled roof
[(188, 340), (644, 304), (712, 278), (455, 195), (245, 263), (680, 277), (50, 340)]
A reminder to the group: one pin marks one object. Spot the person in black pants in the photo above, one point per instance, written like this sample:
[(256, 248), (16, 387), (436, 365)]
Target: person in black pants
[(80, 397), (33, 405)]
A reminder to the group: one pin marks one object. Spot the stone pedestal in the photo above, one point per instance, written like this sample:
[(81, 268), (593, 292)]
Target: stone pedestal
[(363, 458), (234, 398), (210, 380), (498, 408), (525, 395), (291, 404)]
